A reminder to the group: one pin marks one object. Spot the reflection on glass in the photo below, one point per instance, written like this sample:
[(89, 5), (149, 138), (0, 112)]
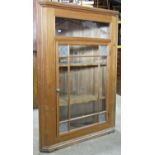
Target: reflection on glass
[(103, 50), (82, 85), (63, 50), (84, 61), (103, 75), (63, 61), (81, 50), (83, 122), (102, 61), (102, 117), (84, 91), (81, 28), (63, 94), (63, 127), (84, 108), (103, 104)]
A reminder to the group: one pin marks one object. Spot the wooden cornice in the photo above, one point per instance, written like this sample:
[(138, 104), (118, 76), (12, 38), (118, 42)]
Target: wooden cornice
[(74, 7)]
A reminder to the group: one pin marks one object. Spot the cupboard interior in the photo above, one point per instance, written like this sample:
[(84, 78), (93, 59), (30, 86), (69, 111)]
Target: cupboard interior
[(81, 28), (82, 85)]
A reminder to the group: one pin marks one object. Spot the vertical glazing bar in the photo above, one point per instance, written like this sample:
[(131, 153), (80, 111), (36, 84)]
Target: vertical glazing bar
[(68, 66), (58, 80), (99, 103), (105, 86)]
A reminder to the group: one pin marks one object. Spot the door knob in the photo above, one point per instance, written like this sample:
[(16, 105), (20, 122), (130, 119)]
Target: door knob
[(58, 90)]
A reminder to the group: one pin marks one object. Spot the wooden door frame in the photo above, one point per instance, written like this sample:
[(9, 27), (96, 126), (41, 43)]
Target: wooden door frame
[(76, 42)]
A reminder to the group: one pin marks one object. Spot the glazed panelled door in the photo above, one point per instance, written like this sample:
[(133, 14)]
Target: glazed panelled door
[(82, 86)]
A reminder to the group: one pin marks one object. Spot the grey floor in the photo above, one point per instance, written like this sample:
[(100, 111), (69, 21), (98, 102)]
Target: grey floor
[(105, 145)]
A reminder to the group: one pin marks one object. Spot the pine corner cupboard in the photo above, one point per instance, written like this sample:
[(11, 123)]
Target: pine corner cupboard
[(77, 53)]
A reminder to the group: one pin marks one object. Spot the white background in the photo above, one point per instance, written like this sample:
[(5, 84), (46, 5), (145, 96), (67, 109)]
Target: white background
[(138, 77)]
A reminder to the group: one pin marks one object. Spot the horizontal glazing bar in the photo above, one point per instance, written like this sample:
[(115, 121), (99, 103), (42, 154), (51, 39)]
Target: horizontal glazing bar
[(81, 65), (85, 116)]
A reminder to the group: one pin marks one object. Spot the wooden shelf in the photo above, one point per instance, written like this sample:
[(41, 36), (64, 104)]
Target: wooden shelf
[(78, 99), (83, 116), (83, 56), (82, 65)]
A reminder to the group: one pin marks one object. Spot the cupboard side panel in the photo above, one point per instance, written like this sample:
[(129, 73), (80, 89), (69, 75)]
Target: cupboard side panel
[(46, 77), (51, 76), (42, 139), (113, 72)]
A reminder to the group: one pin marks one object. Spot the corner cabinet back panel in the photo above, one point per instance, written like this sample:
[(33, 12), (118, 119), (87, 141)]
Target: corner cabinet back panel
[(76, 73)]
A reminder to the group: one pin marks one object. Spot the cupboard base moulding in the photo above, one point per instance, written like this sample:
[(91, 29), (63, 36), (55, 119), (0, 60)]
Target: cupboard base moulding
[(77, 140)]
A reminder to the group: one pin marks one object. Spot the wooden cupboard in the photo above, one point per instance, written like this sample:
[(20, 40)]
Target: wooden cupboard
[(77, 53)]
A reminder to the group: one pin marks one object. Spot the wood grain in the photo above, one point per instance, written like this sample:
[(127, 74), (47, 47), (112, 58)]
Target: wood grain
[(35, 93), (48, 72)]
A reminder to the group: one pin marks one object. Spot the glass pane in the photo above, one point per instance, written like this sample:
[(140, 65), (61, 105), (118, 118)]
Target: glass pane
[(77, 2), (63, 61), (83, 122), (84, 91), (103, 50), (81, 28), (102, 107), (63, 50), (63, 127), (81, 50), (103, 61), (84, 61), (63, 94), (82, 85), (103, 104), (103, 75), (84, 108), (102, 117)]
